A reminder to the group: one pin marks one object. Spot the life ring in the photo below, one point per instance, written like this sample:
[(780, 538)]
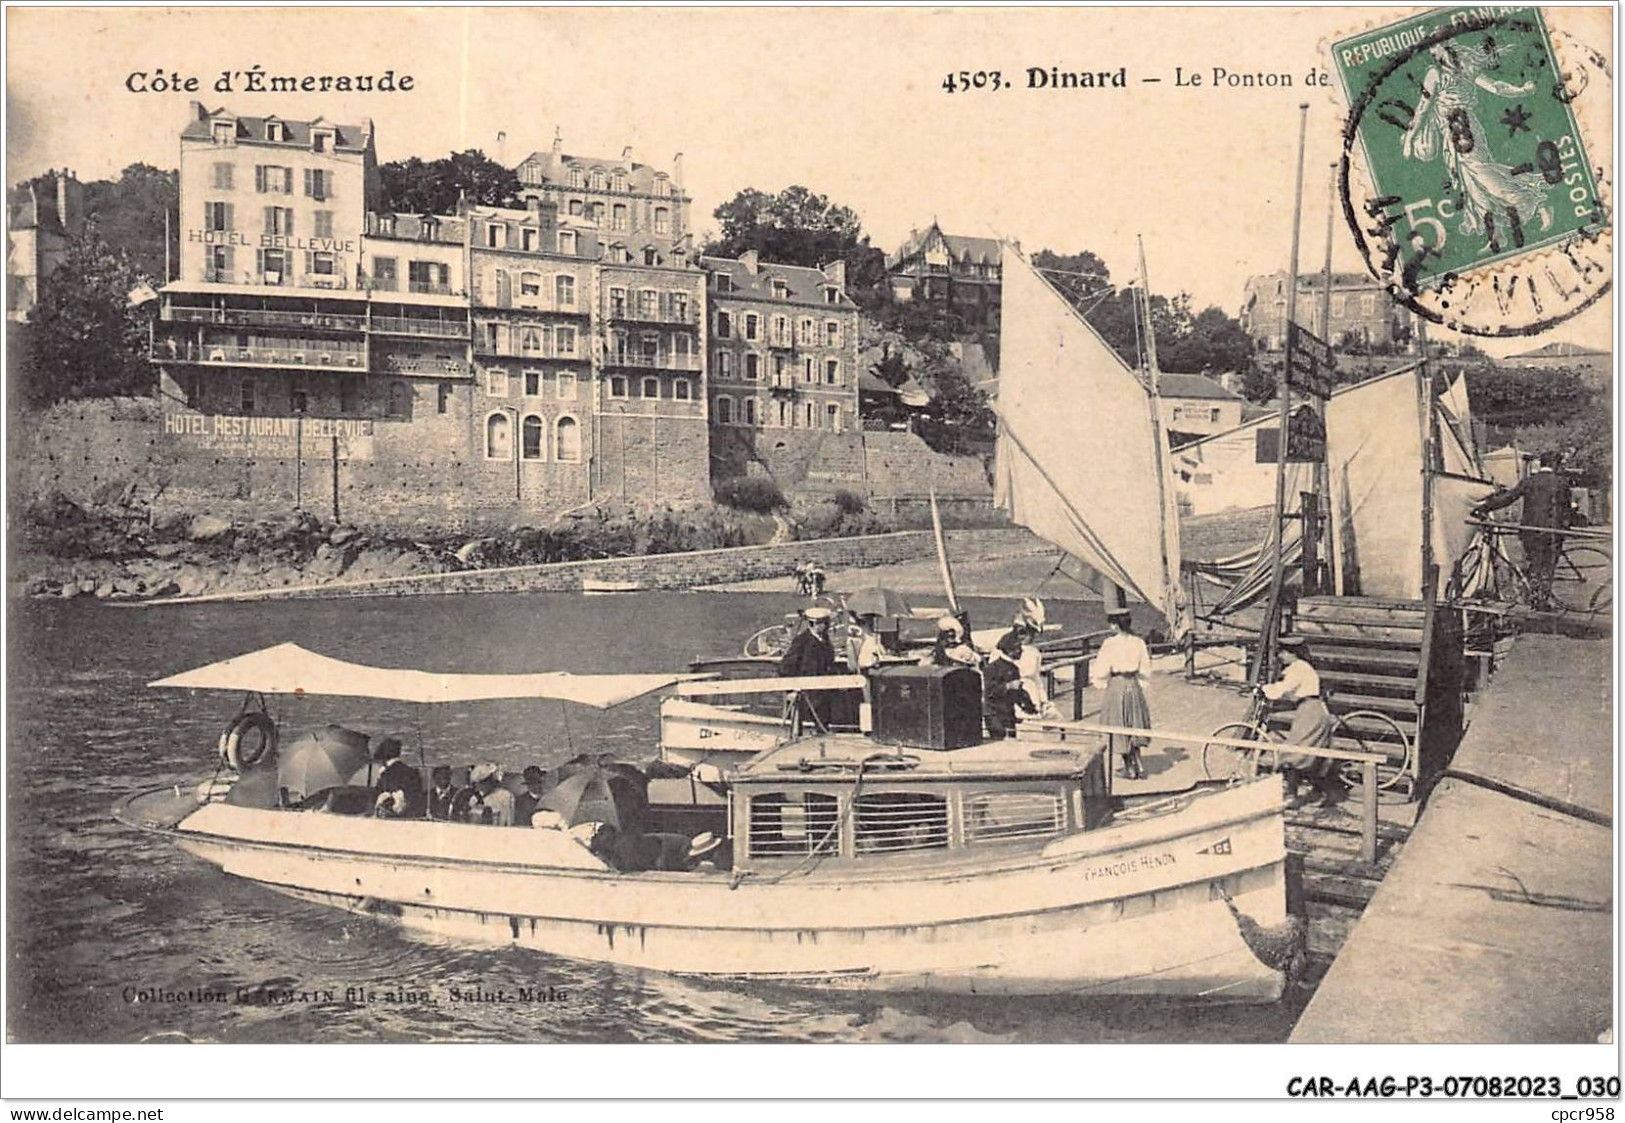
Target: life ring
[(240, 750)]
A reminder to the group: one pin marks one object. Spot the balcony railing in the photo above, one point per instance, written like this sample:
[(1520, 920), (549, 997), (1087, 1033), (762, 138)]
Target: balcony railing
[(412, 325), (653, 362), (172, 351), (430, 288), (252, 317), (514, 351), (422, 364), (782, 384), (630, 313)]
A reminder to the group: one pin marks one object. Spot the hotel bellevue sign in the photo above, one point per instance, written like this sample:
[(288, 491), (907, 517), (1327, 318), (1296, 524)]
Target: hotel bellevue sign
[(316, 438), (272, 241)]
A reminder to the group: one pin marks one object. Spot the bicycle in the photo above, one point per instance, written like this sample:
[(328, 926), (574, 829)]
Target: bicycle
[(1582, 578), (1366, 731)]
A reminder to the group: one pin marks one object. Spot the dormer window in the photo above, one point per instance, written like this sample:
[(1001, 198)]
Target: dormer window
[(832, 295), (781, 290), (386, 225), (725, 283), (321, 140), (276, 130), (428, 229), (567, 241), (620, 181), (575, 181), (662, 186), (225, 132), (598, 179)]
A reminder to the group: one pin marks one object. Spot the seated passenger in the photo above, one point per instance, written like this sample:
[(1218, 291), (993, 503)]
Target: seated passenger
[(951, 650), (485, 800), (525, 805), (399, 786), (442, 794), (635, 852), (1002, 689)]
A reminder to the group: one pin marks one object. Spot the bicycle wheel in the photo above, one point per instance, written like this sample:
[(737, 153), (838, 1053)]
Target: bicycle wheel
[(1376, 732), (773, 641), (1226, 762), (1582, 573)]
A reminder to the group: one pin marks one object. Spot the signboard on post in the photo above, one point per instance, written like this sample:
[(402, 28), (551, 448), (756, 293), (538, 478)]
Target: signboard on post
[(1312, 371), (1305, 439)]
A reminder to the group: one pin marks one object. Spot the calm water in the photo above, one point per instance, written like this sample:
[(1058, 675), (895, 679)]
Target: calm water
[(99, 912)]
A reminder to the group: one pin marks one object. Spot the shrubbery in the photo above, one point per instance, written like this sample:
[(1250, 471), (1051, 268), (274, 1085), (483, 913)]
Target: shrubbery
[(749, 493)]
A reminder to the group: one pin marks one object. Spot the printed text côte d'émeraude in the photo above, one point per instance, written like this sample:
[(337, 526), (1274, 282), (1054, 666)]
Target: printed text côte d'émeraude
[(255, 80)]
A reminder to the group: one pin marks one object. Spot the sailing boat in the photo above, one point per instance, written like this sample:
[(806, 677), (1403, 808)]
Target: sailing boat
[(1080, 459)]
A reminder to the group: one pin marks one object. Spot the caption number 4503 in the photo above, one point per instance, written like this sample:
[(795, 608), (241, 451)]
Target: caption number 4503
[(973, 80)]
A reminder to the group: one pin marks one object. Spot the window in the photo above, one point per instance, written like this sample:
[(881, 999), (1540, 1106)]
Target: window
[(320, 140), (496, 382), (567, 241), (680, 389), (400, 400), (532, 340), (222, 177), (810, 415), (217, 216), (753, 366), (651, 388), (781, 288), (725, 325), (298, 399), (617, 347), (617, 219), (805, 332), (752, 328), (832, 333), (1213, 415), (598, 213), (429, 276), (650, 256), (218, 265), (834, 415), (620, 180), (567, 441), (533, 384), (809, 369), (993, 816), (725, 410), (649, 348), (529, 239), (443, 398), (747, 411), (648, 304), (564, 340), (567, 386), (832, 295), (781, 330), (323, 263), (725, 364), (428, 229), (564, 288), (530, 438), (496, 236), (498, 437), (274, 267), (662, 220), (224, 132), (599, 181), (784, 415), (575, 181), (794, 825), (618, 386), (1339, 305), (530, 284), (324, 223), (318, 183), (247, 399), (779, 372), (681, 344), (662, 186), (1368, 304), (679, 307), (276, 130), (272, 180), (832, 372), (725, 283), (279, 220), (386, 225), (576, 207), (892, 821), (384, 274)]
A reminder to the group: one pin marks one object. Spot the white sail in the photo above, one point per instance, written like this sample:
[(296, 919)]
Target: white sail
[(1077, 458)]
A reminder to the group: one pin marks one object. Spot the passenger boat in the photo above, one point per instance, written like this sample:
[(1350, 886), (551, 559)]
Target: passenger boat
[(921, 858)]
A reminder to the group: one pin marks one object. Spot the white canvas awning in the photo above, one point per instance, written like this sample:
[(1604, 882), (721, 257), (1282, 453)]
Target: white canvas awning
[(290, 669)]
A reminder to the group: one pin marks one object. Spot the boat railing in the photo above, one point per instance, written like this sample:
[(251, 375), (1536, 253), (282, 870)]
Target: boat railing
[(1368, 762)]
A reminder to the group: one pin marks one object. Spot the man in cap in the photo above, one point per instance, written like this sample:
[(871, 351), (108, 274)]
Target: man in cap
[(1545, 495), (810, 655), (399, 786)]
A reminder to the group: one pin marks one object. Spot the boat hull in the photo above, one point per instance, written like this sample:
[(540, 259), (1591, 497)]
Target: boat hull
[(1144, 908)]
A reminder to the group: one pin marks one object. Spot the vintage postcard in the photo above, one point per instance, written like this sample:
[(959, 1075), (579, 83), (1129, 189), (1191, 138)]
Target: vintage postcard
[(814, 525)]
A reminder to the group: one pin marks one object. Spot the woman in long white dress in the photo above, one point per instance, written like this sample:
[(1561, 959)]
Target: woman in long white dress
[(1122, 666)]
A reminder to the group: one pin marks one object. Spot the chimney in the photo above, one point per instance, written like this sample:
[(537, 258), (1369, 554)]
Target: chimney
[(558, 140), (626, 157), (677, 169), (836, 272), (749, 260), (502, 148), (69, 197), (195, 108)]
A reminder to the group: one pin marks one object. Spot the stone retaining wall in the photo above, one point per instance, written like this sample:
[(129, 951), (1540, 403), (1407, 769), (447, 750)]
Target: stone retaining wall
[(670, 571)]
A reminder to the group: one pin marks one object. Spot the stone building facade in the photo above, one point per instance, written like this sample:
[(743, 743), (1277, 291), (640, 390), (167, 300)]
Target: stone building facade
[(963, 274), (639, 211), (1361, 308)]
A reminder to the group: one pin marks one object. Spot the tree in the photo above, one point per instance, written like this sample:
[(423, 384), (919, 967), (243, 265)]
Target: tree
[(416, 186), (1512, 397), (84, 340), (798, 227), (129, 216), (1214, 341)]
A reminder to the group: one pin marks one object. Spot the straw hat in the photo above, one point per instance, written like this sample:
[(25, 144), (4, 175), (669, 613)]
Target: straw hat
[(483, 772), (702, 844)]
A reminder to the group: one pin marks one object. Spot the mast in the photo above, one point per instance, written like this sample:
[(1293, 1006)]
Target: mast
[(1170, 577), (1313, 538), (1425, 419), (1266, 638)]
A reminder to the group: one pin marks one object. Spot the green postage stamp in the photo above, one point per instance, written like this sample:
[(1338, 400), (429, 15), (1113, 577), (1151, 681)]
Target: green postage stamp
[(1480, 201)]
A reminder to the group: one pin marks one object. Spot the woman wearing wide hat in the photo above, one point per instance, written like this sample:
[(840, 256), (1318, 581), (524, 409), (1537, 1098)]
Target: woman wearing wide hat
[(1122, 666)]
